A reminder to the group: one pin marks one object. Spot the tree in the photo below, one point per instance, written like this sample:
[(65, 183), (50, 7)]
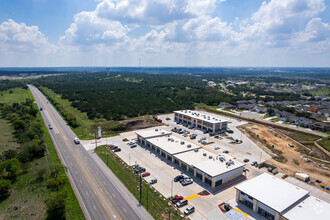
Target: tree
[(56, 205), (5, 186), (9, 154)]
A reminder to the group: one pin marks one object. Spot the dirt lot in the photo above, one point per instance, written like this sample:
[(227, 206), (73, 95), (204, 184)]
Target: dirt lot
[(292, 161), (136, 124)]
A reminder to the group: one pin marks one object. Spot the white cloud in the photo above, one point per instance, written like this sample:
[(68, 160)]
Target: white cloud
[(20, 38), (276, 21), (89, 29), (153, 12)]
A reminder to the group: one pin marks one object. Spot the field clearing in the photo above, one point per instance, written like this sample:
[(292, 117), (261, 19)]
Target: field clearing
[(322, 91), (293, 159), (13, 95), (6, 136)]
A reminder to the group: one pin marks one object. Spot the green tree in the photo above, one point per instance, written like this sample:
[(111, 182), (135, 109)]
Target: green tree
[(5, 186), (56, 206)]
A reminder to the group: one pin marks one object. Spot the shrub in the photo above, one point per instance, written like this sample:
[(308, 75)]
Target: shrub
[(55, 184), (5, 186), (56, 205)]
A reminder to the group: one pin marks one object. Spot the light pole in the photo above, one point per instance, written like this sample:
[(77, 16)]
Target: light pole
[(171, 189)]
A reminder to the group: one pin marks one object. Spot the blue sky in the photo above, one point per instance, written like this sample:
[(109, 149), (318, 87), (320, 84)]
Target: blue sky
[(164, 32)]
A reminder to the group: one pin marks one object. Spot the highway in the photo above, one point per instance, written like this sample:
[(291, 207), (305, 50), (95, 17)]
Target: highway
[(100, 193)]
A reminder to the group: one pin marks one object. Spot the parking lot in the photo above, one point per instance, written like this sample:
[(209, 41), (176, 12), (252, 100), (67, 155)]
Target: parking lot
[(245, 150)]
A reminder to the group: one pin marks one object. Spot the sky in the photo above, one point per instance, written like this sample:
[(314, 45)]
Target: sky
[(265, 33)]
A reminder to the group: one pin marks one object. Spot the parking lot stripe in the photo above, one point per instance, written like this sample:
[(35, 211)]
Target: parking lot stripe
[(246, 215), (192, 197)]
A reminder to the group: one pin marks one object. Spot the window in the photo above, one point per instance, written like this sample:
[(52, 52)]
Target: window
[(265, 214), (246, 202)]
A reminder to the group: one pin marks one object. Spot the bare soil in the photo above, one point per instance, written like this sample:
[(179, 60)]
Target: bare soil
[(293, 162), (136, 124)]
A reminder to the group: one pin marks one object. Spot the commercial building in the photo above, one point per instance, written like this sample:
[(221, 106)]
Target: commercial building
[(277, 199), (210, 168), (200, 120)]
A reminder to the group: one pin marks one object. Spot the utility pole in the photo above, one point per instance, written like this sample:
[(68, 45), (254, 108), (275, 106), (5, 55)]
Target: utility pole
[(140, 189)]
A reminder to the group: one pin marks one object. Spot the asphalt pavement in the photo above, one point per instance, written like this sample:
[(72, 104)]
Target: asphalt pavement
[(100, 193)]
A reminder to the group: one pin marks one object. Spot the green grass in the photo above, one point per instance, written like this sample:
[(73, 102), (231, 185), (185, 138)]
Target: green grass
[(277, 119), (323, 91), (13, 95), (84, 130), (6, 137), (300, 137), (265, 116), (325, 143), (157, 204)]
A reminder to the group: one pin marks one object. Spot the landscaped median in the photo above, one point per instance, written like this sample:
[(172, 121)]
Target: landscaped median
[(155, 203)]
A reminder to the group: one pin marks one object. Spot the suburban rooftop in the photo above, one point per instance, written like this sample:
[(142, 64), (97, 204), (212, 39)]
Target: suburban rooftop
[(172, 144), (201, 116), (272, 191), (153, 133), (209, 163)]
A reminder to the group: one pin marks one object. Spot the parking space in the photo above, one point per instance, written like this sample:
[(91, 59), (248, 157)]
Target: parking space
[(245, 150)]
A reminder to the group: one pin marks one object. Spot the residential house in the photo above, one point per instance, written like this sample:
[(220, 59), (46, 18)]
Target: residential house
[(320, 126), (261, 102), (225, 105), (318, 117), (260, 109), (303, 122), (325, 112)]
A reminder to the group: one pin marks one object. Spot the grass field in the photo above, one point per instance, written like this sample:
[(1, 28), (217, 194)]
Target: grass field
[(84, 130), (6, 138), (152, 200), (13, 95), (325, 143), (300, 137), (28, 196), (322, 91)]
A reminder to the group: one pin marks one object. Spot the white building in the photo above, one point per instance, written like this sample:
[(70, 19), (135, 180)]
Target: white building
[(210, 168), (200, 120), (277, 199)]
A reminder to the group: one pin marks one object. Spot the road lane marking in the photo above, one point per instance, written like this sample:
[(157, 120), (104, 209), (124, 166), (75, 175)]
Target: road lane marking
[(81, 169)]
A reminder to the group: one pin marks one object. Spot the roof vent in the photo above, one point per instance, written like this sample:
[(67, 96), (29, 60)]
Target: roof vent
[(196, 149), (189, 145), (204, 154), (210, 157), (156, 129), (182, 142)]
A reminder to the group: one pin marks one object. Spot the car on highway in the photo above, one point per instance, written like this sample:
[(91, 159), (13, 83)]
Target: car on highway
[(178, 178), (40, 109), (112, 147), (153, 181), (189, 210), (182, 203), (117, 150), (50, 127), (145, 174), (76, 140), (176, 199)]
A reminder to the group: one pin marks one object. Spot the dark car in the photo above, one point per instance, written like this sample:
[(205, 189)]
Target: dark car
[(182, 203), (230, 131), (226, 151), (40, 109), (153, 181), (117, 150), (246, 160), (176, 199), (134, 145), (178, 178)]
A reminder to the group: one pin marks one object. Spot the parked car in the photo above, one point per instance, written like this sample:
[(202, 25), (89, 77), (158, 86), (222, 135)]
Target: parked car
[(113, 147), (189, 210), (318, 181), (176, 199), (178, 178), (117, 150), (203, 142), (134, 145), (270, 169), (182, 203), (230, 131), (216, 136), (226, 151), (216, 148), (145, 174), (185, 182), (246, 160), (254, 163), (153, 181)]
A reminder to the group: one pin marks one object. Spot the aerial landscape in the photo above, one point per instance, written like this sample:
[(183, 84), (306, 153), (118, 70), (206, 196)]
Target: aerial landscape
[(169, 109)]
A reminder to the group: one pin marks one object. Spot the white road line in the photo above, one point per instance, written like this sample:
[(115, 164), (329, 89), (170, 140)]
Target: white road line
[(113, 195), (125, 210)]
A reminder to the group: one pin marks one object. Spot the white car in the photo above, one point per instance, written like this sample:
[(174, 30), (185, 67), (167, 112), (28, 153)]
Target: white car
[(76, 140)]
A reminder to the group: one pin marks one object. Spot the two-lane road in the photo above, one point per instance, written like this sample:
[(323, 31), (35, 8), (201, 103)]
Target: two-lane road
[(100, 194)]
